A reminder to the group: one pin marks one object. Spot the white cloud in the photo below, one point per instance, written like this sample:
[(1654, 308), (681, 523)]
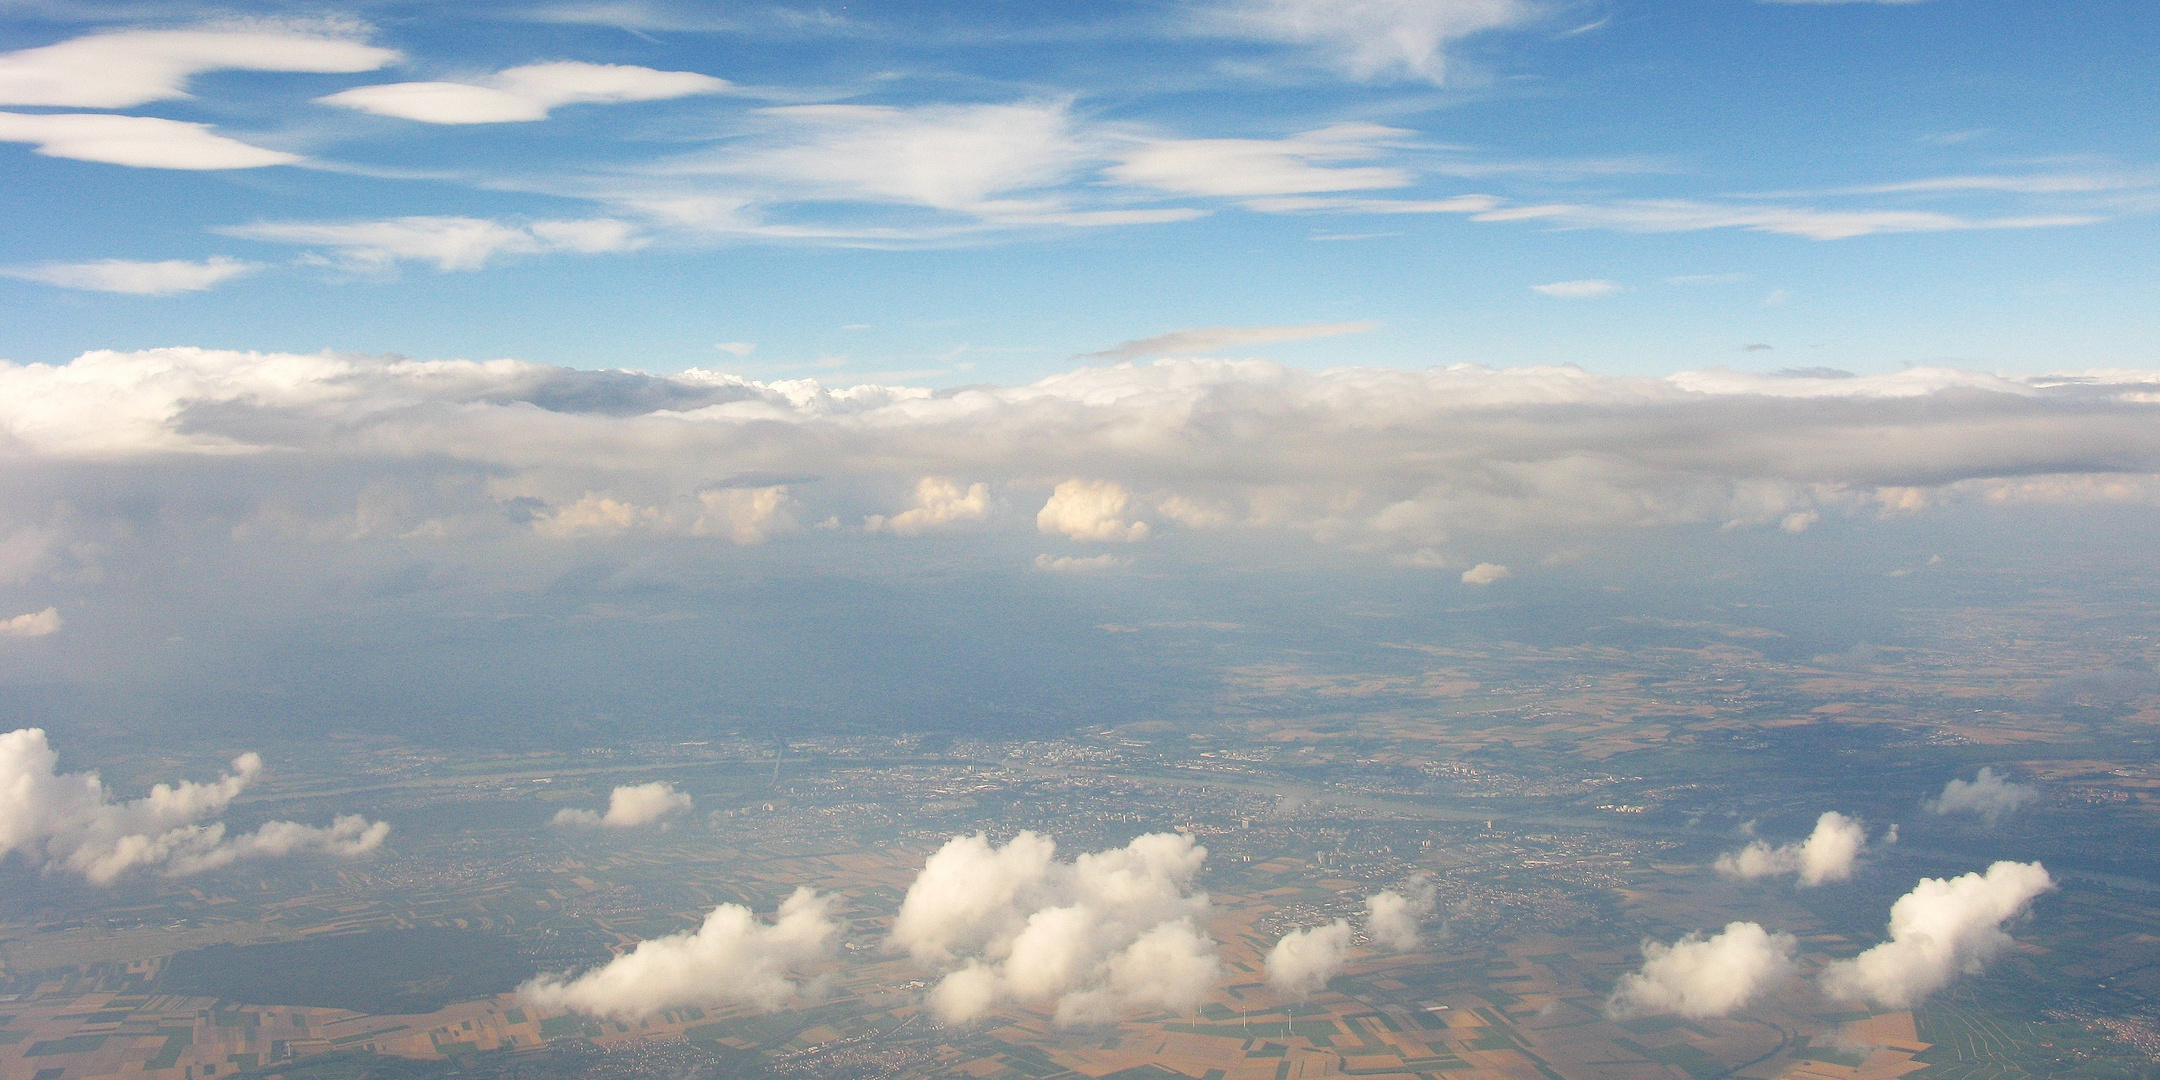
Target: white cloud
[(939, 502), (1684, 215), (1701, 977), (137, 278), (1297, 165), (451, 243), (131, 67), (70, 821), (629, 806), (1208, 339), (1370, 39), (730, 958), (1486, 573), (33, 625), (1391, 918), (1938, 931), (523, 93), (1303, 961), (1588, 289), (1830, 853), (1107, 935), (142, 142), (1091, 511), (1987, 794), (737, 349), (1080, 564)]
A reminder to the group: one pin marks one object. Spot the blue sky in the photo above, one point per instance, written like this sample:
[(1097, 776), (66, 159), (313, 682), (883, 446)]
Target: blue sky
[(944, 194)]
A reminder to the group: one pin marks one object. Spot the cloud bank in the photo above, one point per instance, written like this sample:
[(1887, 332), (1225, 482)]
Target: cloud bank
[(1830, 853), (731, 957), (1701, 977), (1987, 794), (71, 822), (628, 807), (1106, 935), (1938, 931)]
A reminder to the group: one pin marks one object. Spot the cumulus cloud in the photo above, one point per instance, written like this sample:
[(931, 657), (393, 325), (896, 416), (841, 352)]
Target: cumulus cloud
[(628, 807), (1938, 931), (1370, 39), (1207, 339), (132, 67), (1091, 511), (1588, 289), (1303, 961), (1830, 853), (1103, 936), (523, 93), (938, 502), (142, 142), (1987, 794), (32, 625), (71, 822), (1486, 573), (731, 958), (451, 243), (1701, 977), (1392, 918), (137, 278)]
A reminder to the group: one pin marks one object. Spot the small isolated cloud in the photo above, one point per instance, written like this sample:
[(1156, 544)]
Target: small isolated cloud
[(1208, 339), (136, 278), (1091, 511), (1587, 289), (939, 502), (731, 958), (1799, 521), (142, 142), (1106, 935), (132, 67), (1369, 39), (70, 822), (737, 349), (523, 93), (35, 624), (1988, 794), (1392, 918), (1830, 853), (451, 243), (1938, 931), (1485, 573), (1700, 977), (1304, 960), (628, 807), (1080, 564)]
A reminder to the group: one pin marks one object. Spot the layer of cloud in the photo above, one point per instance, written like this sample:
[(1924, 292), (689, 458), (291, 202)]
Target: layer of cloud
[(1701, 977), (70, 821), (450, 243), (1207, 339), (1303, 961), (939, 502), (1080, 564), (1830, 853), (731, 958), (1091, 511), (1988, 794), (142, 142), (629, 806), (135, 278), (523, 93), (1940, 930), (1301, 164), (1588, 289), (132, 67), (34, 624), (1106, 935), (1370, 39)]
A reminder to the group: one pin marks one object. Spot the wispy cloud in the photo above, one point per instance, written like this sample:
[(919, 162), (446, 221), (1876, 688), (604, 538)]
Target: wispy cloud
[(1207, 339), (523, 93), (450, 243), (139, 278), (142, 142)]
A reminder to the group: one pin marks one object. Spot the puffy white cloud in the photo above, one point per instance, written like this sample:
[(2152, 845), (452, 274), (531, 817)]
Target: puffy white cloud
[(1486, 573), (1207, 339), (939, 502), (1090, 510), (131, 67), (1371, 38), (1103, 936), (1701, 977), (629, 806), (1588, 289), (451, 243), (142, 142), (523, 93), (1392, 918), (1938, 931), (1987, 794), (730, 958), (34, 624), (137, 278), (1303, 961), (1830, 853), (70, 821), (1301, 164)]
